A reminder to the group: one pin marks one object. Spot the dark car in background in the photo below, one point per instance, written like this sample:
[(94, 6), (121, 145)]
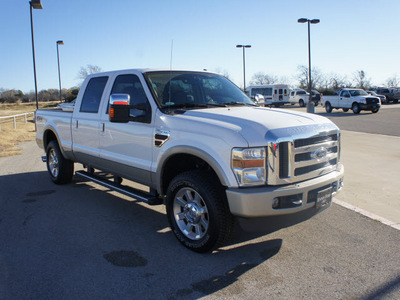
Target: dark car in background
[(315, 97), (391, 94)]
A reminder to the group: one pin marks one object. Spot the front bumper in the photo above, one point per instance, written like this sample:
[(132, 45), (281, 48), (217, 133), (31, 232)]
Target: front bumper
[(260, 201)]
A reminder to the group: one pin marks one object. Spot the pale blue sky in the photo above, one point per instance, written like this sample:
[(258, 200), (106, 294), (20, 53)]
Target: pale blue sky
[(122, 34)]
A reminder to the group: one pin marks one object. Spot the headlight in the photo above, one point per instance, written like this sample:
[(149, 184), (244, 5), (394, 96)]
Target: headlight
[(248, 165)]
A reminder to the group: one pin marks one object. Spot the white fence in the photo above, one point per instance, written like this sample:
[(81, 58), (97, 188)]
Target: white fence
[(15, 117)]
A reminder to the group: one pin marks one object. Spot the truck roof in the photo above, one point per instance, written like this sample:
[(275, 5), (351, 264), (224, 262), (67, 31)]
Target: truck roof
[(145, 70)]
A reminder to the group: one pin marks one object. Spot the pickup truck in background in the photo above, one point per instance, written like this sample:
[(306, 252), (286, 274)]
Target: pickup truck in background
[(354, 99), (195, 143), (299, 96)]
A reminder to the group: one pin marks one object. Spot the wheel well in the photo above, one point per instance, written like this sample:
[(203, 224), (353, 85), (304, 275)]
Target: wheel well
[(48, 136), (180, 163)]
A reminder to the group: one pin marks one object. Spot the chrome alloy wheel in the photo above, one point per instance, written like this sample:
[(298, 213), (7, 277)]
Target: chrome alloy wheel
[(53, 163), (191, 214)]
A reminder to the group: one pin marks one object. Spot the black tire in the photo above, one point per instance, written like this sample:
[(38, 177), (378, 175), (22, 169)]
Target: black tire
[(396, 101), (355, 108), (60, 169), (375, 110), (345, 109), (198, 212), (301, 103), (328, 107)]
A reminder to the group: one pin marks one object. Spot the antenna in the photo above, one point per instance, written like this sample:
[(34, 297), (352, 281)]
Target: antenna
[(172, 48)]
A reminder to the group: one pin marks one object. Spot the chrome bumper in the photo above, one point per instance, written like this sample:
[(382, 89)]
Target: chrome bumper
[(262, 201)]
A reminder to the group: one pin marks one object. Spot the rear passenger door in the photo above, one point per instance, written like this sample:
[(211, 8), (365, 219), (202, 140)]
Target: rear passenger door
[(85, 122)]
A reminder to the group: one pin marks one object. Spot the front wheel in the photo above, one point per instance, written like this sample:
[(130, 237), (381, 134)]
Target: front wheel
[(375, 110), (60, 169), (198, 212), (355, 108)]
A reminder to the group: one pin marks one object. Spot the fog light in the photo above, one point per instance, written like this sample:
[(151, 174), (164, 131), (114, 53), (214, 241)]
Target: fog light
[(275, 203)]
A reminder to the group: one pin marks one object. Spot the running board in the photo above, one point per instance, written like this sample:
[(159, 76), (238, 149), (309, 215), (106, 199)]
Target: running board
[(123, 189)]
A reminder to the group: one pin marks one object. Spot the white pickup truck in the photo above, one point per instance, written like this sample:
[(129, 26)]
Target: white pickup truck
[(354, 99), (198, 144)]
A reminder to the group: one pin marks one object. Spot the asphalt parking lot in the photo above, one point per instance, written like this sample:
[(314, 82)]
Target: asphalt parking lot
[(81, 241)]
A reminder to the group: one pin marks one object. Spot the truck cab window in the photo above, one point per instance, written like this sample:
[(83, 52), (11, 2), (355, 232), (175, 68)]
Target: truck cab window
[(131, 85), (93, 93)]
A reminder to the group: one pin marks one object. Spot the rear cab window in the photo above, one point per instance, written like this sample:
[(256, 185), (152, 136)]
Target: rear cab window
[(93, 94)]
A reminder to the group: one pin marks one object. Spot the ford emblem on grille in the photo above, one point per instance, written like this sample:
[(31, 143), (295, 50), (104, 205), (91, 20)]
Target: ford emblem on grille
[(320, 153)]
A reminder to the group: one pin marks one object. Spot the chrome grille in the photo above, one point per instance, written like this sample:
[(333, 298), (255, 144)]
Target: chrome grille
[(308, 155)]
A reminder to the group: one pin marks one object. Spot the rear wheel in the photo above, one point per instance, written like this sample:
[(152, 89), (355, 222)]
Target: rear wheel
[(355, 108), (60, 169), (198, 212), (328, 107), (396, 101), (301, 103), (345, 109)]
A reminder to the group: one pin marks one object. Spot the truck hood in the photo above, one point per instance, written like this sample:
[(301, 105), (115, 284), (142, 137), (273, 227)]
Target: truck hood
[(253, 123)]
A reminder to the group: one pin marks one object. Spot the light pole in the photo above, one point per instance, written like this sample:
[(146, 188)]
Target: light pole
[(244, 64), (36, 4), (58, 60), (310, 104)]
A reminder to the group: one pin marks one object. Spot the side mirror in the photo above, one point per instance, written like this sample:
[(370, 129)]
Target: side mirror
[(259, 98), (119, 108)]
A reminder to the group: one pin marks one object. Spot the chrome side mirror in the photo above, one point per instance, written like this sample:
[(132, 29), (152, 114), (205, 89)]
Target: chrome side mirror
[(119, 108), (259, 98)]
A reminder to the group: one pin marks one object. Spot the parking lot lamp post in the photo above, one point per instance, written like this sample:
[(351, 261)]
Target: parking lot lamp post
[(58, 60), (244, 64), (310, 105), (36, 4)]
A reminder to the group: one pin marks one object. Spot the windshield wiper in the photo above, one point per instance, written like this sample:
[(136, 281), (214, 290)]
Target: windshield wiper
[(195, 105), (216, 104), (185, 105), (238, 103)]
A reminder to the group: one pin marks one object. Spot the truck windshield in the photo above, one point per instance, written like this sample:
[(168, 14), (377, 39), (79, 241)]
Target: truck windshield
[(182, 89), (358, 93)]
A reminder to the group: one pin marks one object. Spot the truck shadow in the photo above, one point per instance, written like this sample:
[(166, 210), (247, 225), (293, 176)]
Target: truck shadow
[(81, 239), (341, 114)]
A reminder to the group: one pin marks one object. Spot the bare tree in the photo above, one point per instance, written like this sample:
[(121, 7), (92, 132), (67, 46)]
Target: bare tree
[(224, 72), (260, 78), (361, 81), (302, 77), (337, 81), (392, 82), (89, 69)]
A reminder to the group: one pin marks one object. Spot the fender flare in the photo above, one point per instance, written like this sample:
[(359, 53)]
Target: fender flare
[(213, 163)]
